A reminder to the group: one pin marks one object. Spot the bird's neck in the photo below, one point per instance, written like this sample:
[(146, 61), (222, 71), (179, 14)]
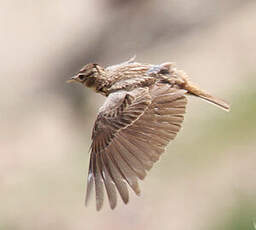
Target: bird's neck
[(101, 83)]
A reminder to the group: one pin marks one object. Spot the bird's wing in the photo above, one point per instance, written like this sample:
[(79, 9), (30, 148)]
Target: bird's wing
[(130, 133)]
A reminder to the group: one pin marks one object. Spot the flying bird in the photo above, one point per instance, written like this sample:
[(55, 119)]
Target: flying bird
[(143, 111)]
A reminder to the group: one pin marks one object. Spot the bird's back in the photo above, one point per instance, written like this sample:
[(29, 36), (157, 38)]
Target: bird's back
[(129, 75)]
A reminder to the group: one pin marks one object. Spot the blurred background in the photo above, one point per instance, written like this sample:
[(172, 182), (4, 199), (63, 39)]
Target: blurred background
[(207, 177)]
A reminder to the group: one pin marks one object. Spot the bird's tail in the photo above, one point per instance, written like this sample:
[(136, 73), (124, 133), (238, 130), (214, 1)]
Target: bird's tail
[(194, 90)]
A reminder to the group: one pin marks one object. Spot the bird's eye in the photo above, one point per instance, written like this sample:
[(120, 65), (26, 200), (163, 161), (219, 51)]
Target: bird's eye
[(81, 77)]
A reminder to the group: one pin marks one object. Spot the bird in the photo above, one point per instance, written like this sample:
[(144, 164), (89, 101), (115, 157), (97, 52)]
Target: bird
[(143, 111)]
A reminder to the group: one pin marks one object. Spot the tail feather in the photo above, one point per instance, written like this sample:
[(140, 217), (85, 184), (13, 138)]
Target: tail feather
[(193, 90), (216, 101), (184, 83)]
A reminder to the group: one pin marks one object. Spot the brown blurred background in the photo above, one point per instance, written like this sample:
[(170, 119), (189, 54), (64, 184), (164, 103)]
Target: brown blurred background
[(207, 177)]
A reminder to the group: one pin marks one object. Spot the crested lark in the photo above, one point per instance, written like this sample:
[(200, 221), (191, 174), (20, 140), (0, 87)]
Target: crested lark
[(144, 108)]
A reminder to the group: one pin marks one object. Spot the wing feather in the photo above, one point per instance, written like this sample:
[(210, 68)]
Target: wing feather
[(98, 183), (109, 184), (90, 181), (140, 154), (131, 132), (116, 177), (124, 168), (131, 160)]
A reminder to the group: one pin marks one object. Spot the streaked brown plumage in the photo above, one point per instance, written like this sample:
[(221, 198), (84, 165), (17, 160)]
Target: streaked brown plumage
[(143, 112)]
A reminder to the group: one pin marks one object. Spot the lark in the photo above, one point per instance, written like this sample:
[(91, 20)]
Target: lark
[(143, 111)]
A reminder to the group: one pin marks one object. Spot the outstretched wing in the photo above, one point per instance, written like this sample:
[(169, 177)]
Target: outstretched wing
[(129, 135), (119, 111)]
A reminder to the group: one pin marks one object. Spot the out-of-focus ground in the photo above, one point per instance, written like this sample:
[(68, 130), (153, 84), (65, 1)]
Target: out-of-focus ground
[(207, 177)]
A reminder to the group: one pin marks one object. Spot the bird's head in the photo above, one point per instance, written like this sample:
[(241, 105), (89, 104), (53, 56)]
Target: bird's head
[(88, 75)]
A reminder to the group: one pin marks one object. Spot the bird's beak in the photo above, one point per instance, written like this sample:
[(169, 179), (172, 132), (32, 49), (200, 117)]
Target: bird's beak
[(72, 79)]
